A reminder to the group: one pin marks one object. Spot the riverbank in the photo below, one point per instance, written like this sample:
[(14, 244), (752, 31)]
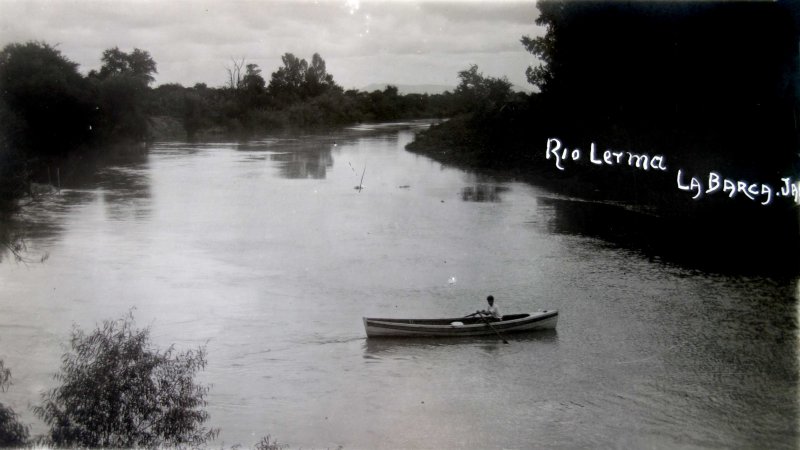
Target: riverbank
[(651, 206)]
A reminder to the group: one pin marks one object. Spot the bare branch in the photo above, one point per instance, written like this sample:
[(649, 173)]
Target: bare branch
[(235, 73)]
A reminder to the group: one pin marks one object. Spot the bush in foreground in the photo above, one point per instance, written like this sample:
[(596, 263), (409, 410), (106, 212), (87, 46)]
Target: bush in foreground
[(12, 433), (116, 390)]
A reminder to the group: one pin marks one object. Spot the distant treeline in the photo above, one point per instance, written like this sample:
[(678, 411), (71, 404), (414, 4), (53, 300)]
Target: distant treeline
[(49, 110), (298, 94)]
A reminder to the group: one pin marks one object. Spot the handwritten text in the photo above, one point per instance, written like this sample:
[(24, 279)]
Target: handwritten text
[(561, 154), (697, 186), (716, 183)]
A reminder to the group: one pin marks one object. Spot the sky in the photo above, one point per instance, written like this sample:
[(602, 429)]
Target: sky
[(362, 42)]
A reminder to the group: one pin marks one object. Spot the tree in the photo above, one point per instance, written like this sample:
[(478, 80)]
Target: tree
[(122, 102), (478, 93), (12, 433), (138, 64), (317, 79), (286, 83), (122, 88), (253, 82), (116, 390), (142, 65), (543, 47), (13, 179), (45, 104), (297, 80), (235, 74)]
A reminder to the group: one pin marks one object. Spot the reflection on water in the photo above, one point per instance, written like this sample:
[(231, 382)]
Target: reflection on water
[(378, 347), (482, 193), (659, 238), (297, 158), (609, 222), (312, 164), (118, 179), (126, 192)]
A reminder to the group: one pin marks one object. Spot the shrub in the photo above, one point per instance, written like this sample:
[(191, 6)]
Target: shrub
[(12, 433), (267, 443), (117, 391)]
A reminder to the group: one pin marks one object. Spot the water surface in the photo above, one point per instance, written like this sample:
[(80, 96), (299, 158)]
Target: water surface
[(266, 253)]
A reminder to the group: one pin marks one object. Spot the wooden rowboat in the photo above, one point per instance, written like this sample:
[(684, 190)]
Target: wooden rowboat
[(460, 326)]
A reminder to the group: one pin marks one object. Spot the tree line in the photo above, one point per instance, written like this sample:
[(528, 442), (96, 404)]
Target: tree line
[(669, 78), (690, 85), (298, 94), (49, 110)]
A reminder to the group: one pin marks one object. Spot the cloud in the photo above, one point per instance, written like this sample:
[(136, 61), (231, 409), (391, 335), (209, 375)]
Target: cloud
[(362, 42), (520, 13)]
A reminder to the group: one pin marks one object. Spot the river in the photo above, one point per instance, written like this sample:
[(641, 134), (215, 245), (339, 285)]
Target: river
[(264, 252)]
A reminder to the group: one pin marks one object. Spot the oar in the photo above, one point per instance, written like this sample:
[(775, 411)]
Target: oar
[(495, 330)]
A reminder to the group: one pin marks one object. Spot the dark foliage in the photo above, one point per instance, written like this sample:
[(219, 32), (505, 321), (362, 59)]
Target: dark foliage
[(138, 64), (299, 95), (479, 94), (487, 130), (49, 111), (709, 85), (679, 74), (674, 78), (298, 80), (300, 102), (116, 390), (12, 433), (45, 103), (121, 107), (13, 178), (121, 90)]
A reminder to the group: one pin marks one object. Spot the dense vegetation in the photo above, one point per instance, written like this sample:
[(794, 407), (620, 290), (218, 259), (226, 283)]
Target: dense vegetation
[(678, 79), (690, 85), (298, 94), (12, 432), (115, 390), (49, 110)]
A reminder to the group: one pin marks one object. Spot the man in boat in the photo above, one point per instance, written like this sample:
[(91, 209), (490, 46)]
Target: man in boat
[(491, 313)]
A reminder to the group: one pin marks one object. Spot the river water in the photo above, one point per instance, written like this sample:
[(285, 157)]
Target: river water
[(264, 252)]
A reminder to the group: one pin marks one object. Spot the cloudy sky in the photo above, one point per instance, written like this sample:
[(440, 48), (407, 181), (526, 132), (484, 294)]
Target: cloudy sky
[(362, 42)]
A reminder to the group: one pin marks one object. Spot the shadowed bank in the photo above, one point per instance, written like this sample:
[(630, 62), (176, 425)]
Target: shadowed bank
[(710, 88)]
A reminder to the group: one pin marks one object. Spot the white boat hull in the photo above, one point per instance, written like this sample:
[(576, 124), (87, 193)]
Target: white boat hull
[(461, 326)]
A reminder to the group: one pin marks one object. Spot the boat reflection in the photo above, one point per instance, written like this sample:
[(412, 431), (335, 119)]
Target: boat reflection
[(386, 346)]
